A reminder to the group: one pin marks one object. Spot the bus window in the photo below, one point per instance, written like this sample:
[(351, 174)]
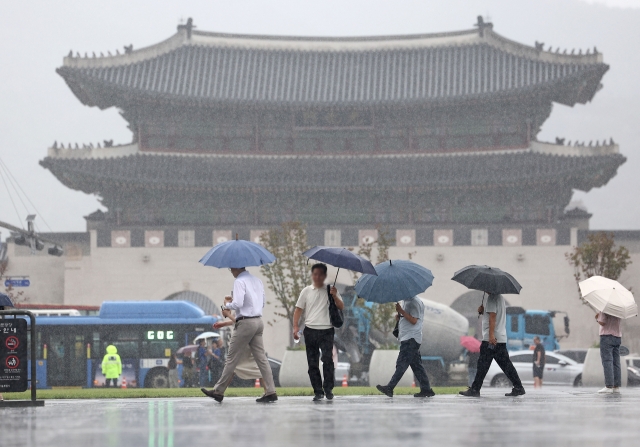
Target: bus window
[(159, 349), (537, 324), (126, 349), (514, 323)]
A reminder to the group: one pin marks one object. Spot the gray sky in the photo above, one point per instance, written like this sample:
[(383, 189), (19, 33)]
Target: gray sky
[(37, 107)]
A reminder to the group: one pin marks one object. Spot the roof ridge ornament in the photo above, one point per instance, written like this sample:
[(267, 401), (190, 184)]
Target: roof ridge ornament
[(481, 25), (188, 27)]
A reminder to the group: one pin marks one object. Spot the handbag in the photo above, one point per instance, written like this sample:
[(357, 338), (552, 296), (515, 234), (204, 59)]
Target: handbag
[(335, 314), (396, 329)]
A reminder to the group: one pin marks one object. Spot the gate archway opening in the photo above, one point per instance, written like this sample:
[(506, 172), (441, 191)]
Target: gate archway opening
[(202, 301)]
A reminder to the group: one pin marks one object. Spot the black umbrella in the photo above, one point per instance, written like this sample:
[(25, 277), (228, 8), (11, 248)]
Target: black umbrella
[(341, 258), (487, 279)]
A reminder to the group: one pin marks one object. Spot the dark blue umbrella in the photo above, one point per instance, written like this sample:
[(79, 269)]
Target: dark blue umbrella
[(237, 254), (341, 258), (396, 281), (487, 279), (5, 301)]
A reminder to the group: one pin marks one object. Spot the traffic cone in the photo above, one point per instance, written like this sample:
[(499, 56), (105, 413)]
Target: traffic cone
[(124, 384), (257, 384), (345, 383), (413, 384)]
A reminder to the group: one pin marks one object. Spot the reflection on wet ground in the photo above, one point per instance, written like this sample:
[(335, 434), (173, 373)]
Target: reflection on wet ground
[(549, 417)]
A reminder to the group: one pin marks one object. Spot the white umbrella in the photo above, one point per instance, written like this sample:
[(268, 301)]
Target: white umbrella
[(205, 335), (608, 296)]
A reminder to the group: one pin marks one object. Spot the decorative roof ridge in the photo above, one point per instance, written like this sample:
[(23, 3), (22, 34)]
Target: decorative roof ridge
[(575, 151), (535, 147), (196, 38)]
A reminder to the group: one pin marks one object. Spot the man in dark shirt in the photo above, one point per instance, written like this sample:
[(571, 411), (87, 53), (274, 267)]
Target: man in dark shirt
[(538, 362)]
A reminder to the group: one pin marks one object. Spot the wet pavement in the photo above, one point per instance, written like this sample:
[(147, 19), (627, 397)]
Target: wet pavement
[(551, 417)]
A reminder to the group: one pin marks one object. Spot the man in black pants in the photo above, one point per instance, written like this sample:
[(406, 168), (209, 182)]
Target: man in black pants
[(318, 331), (494, 347)]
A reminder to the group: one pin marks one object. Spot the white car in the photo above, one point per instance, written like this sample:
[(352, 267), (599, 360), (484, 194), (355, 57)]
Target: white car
[(558, 370)]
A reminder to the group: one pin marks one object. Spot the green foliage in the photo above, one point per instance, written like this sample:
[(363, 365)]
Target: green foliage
[(381, 316), (290, 273), (598, 256)]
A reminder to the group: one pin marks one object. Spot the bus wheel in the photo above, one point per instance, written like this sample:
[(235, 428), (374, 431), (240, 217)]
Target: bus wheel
[(157, 378)]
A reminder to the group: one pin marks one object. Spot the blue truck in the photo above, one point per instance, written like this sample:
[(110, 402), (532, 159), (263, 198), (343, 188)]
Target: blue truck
[(523, 325)]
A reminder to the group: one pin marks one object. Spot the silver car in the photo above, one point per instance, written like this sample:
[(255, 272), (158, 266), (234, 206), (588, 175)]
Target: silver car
[(558, 370)]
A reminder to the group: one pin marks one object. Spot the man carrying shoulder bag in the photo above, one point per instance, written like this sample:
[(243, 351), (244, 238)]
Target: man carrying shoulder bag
[(319, 331)]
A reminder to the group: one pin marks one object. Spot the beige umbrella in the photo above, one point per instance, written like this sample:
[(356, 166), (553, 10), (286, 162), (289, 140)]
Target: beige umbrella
[(608, 296)]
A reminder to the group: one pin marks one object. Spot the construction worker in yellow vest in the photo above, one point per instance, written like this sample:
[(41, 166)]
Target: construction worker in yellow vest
[(111, 366)]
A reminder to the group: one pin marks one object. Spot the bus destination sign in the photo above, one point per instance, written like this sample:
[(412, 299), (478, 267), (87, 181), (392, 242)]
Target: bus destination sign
[(13, 356)]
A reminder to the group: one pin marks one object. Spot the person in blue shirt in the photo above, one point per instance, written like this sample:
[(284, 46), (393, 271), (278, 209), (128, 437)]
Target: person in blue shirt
[(202, 359)]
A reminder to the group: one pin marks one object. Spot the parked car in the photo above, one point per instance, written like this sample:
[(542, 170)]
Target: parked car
[(237, 382), (558, 370), (577, 355), (633, 369)]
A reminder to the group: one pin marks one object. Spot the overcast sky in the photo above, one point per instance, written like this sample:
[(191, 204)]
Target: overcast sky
[(36, 106)]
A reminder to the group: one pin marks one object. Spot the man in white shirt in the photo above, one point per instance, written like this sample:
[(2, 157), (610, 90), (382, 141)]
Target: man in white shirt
[(247, 301), (494, 347), (318, 331)]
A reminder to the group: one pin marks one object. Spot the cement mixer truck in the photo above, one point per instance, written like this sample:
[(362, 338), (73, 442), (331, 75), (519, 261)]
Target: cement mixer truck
[(442, 330)]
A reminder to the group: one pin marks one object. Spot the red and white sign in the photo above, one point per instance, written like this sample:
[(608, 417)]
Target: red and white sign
[(12, 362), (12, 343)]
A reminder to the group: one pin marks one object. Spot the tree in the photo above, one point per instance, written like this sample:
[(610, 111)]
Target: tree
[(18, 297), (289, 274), (381, 316), (598, 256)]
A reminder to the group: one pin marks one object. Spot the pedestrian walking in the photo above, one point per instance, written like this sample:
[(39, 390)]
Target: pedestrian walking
[(111, 367), (410, 319), (610, 341), (539, 361), (319, 333), (188, 373), (174, 380), (494, 347), (247, 301), (202, 360), (472, 365)]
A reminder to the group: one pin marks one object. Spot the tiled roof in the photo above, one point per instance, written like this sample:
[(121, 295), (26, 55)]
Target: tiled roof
[(259, 70), (327, 173)]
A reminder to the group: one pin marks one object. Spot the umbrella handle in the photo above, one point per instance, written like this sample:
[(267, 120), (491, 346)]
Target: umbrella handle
[(335, 280), (483, 294)]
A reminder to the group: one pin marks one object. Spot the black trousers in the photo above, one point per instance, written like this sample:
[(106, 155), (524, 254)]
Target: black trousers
[(320, 341), (500, 354), (409, 356), (107, 383)]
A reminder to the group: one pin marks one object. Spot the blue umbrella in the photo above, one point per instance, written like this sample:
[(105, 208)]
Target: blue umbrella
[(341, 258), (5, 301), (237, 254), (396, 281)]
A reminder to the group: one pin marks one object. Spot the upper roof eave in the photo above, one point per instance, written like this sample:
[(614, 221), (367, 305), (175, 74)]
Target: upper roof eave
[(329, 44)]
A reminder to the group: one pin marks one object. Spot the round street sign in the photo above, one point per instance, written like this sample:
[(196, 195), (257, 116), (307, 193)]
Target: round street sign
[(12, 362), (12, 343)]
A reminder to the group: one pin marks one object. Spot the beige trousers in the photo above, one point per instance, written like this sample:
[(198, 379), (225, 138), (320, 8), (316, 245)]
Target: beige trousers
[(247, 333)]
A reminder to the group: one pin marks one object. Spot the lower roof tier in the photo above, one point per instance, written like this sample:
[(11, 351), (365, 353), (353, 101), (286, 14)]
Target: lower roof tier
[(541, 164)]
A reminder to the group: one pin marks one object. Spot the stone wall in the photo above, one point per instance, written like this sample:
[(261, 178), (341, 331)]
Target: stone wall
[(147, 273)]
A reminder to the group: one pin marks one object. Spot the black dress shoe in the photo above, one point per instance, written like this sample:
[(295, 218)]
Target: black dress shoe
[(267, 399), (516, 392), (329, 394), (385, 390), (470, 392), (212, 395), (317, 397), (425, 393)]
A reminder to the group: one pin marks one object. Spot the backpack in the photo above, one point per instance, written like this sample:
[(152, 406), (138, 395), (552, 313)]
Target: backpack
[(335, 314)]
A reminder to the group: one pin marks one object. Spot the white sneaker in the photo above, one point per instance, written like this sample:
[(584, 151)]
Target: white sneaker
[(606, 390), (616, 390)]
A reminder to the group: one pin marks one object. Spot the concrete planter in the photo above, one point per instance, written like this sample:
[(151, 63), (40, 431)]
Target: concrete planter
[(383, 365), (592, 372), (293, 371)]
